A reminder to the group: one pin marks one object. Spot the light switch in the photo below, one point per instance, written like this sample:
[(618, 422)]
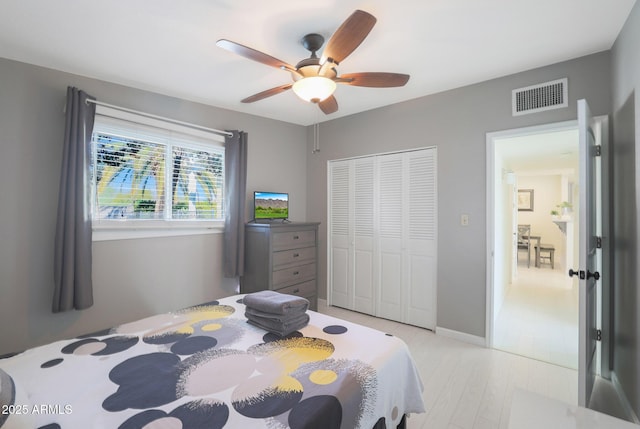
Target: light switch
[(464, 220)]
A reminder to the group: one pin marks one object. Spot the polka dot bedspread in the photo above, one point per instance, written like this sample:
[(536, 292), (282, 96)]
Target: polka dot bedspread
[(206, 367)]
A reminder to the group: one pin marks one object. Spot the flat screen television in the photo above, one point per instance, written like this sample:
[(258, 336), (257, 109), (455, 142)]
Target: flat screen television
[(270, 205)]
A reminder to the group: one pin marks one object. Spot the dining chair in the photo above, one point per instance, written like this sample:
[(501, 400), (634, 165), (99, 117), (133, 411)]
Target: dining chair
[(524, 241)]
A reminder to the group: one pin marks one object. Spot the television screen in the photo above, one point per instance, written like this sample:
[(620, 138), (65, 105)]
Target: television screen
[(271, 205)]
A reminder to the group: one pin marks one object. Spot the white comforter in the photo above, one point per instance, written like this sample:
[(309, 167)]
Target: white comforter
[(205, 367)]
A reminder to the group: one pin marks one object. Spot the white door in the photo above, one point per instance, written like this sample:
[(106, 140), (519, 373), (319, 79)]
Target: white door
[(390, 237), (340, 255), (514, 231), (351, 255), (365, 281), (407, 237), (382, 236), (587, 271), (420, 216)]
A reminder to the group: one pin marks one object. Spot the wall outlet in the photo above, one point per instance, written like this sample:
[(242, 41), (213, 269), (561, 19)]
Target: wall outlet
[(464, 220)]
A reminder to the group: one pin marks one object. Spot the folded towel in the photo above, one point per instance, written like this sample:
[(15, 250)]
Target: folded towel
[(274, 302), (282, 318), (302, 318), (281, 329)]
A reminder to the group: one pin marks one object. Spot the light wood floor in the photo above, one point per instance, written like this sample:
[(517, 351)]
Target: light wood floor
[(467, 386), (472, 387), (539, 317)]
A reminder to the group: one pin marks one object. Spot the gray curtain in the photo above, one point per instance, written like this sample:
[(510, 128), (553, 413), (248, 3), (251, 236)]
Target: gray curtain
[(72, 260), (235, 167)]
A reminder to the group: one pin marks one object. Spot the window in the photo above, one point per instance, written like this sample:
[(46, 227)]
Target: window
[(147, 173)]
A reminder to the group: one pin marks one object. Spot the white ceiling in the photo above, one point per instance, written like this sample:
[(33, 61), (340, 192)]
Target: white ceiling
[(541, 153), (168, 46)]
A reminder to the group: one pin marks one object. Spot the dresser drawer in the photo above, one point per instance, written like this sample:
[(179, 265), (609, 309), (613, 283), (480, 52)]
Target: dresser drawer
[(293, 239), (281, 255), (287, 257), (291, 276), (306, 289)]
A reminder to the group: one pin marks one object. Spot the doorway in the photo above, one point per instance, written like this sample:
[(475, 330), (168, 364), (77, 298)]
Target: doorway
[(533, 302)]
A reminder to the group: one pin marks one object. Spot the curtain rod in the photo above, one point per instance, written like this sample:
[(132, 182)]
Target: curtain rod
[(162, 118)]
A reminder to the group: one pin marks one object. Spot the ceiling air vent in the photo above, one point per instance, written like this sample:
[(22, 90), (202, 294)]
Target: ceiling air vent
[(540, 97)]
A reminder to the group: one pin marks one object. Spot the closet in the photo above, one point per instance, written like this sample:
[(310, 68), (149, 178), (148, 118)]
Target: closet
[(382, 235)]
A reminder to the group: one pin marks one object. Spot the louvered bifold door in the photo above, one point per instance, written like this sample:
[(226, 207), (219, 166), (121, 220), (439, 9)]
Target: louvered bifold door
[(421, 245), (364, 282), (391, 274), (340, 255), (382, 235)]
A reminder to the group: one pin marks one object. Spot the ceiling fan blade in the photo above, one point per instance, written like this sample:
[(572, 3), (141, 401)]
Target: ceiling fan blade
[(374, 79), (254, 55), (329, 105), (348, 36), (268, 93)]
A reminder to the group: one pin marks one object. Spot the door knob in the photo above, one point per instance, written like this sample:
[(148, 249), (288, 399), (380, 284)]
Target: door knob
[(580, 274)]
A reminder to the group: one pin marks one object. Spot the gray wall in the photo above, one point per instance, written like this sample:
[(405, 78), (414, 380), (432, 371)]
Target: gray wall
[(132, 278), (456, 122), (625, 69)]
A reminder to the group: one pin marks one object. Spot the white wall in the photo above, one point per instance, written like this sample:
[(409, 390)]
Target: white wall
[(547, 191), (503, 232)]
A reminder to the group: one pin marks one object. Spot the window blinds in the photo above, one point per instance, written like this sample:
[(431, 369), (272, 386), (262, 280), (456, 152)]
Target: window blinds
[(144, 169)]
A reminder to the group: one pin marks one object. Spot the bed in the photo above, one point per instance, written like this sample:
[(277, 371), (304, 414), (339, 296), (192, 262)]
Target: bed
[(205, 367)]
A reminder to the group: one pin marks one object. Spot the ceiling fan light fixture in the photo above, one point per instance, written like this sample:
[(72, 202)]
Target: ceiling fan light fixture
[(314, 88), (315, 78)]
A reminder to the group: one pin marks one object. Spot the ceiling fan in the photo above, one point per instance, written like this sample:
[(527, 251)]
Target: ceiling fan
[(315, 79)]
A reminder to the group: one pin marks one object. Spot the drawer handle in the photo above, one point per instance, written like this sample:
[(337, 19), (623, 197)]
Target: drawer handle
[(295, 273), (295, 237), (295, 255)]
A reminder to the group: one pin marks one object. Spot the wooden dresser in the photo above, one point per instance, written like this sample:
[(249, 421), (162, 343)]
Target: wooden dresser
[(282, 257)]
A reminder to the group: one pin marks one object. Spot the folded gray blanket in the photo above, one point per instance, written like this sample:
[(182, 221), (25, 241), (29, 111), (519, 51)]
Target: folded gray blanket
[(281, 318), (279, 328), (274, 302)]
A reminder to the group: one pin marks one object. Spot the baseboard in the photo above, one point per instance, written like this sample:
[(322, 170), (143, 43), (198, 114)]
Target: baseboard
[(623, 398), (461, 336), (444, 332)]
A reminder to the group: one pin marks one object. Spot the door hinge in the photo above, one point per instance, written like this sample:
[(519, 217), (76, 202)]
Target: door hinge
[(597, 150), (599, 242), (598, 335)]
